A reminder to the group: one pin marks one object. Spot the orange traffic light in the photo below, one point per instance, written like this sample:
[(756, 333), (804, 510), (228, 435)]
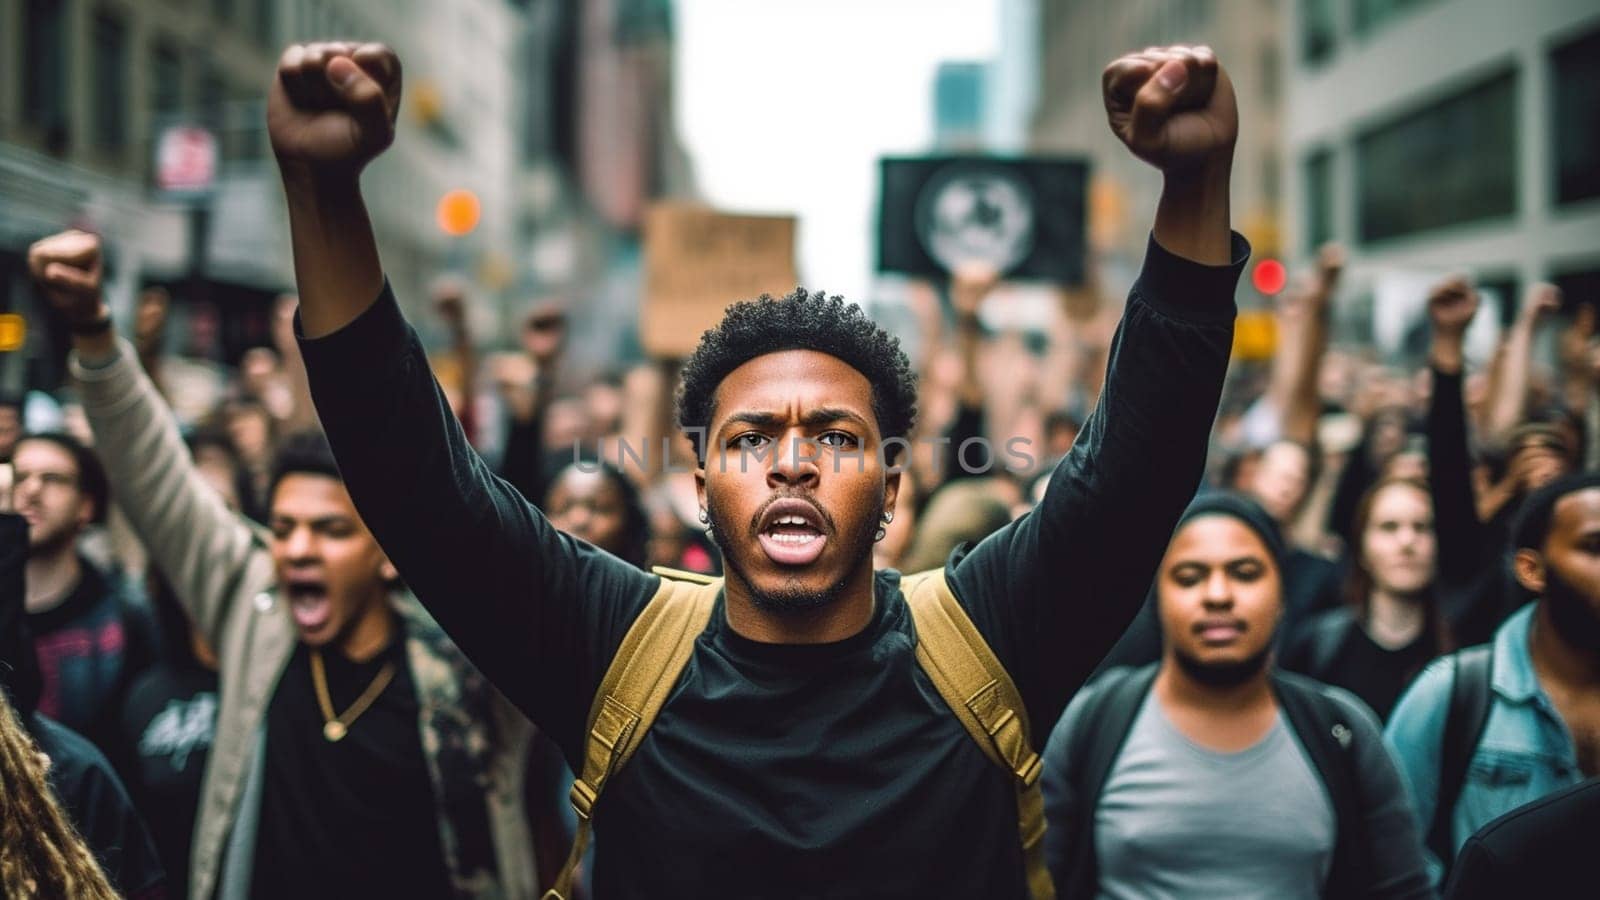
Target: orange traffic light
[(458, 212)]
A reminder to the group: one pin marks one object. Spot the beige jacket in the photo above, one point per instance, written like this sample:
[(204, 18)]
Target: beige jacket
[(220, 566)]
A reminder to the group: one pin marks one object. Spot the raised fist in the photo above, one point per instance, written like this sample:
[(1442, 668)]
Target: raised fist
[(1173, 106), (331, 108), (1330, 265), (1451, 305), (1541, 301), (970, 283), (450, 300), (67, 267)]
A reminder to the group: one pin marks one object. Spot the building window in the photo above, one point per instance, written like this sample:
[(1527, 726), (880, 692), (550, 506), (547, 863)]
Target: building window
[(1318, 29), (44, 68), (1579, 284), (1366, 15), (1576, 82), (266, 24), (1318, 169), (1451, 163), (110, 35), (1502, 288), (166, 79)]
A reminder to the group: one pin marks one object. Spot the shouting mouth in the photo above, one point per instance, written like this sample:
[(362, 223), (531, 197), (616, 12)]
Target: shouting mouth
[(308, 603), (792, 533)]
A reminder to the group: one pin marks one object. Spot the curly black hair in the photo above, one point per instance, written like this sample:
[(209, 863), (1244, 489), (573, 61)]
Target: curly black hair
[(802, 320)]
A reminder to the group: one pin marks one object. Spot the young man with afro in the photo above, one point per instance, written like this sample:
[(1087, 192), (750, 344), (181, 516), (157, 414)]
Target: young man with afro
[(803, 751)]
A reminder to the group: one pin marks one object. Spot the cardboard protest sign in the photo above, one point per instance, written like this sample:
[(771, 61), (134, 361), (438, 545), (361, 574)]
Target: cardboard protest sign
[(1024, 216), (698, 261)]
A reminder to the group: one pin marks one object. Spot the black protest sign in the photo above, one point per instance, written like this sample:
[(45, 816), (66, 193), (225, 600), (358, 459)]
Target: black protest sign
[(1023, 216)]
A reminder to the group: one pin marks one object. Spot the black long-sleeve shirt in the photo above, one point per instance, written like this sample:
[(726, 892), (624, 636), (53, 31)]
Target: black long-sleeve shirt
[(1474, 580), (793, 770)]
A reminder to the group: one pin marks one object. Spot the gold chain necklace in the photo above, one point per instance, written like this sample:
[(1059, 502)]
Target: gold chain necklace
[(334, 728)]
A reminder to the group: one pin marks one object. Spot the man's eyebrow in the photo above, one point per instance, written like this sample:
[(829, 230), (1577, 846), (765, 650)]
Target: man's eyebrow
[(819, 416), (825, 414), (753, 417)]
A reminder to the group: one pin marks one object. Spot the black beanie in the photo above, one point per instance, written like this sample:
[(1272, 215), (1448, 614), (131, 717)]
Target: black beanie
[(1246, 510)]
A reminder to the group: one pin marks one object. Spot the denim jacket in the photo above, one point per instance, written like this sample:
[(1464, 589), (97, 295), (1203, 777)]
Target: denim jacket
[(1526, 751)]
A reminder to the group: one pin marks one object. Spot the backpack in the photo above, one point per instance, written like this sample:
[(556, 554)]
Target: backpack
[(1471, 684), (949, 648), (1319, 723)]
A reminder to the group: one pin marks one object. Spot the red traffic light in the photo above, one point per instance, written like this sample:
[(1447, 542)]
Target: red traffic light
[(1269, 276)]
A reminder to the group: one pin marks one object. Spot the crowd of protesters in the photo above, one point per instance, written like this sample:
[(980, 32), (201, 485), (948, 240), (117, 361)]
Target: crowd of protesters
[(1367, 662)]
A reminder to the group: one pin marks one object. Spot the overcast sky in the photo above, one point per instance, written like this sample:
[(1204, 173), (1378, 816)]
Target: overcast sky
[(785, 106)]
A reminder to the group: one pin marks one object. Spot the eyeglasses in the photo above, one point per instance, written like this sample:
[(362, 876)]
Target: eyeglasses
[(46, 479)]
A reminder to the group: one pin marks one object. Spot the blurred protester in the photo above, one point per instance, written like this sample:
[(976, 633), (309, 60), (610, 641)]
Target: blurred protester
[(526, 384), (450, 303), (220, 466), (1211, 774), (353, 741), (1474, 579), (1289, 468), (192, 384), (91, 637), (1488, 729), (253, 432), (1391, 625), (593, 500), (809, 659), (168, 725), (10, 423), (84, 784), (261, 378), (961, 512), (1540, 850)]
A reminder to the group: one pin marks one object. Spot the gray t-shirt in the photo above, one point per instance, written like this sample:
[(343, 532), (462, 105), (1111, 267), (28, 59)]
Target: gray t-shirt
[(1179, 820)]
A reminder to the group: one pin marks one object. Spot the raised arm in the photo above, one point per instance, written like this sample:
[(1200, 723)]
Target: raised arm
[(1296, 395), (1057, 587), (536, 611), (1508, 397), (1462, 555), (200, 545), (969, 285)]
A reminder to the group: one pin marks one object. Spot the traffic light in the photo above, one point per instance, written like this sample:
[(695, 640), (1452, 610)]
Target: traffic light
[(458, 212), (1269, 276)]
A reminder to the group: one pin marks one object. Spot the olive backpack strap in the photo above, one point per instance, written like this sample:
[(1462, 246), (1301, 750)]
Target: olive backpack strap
[(636, 686), (981, 694)]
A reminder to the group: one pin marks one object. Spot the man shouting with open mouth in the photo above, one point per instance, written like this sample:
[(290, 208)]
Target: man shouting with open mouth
[(802, 748)]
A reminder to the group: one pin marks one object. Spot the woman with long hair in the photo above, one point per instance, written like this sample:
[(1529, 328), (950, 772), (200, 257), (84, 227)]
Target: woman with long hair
[(1390, 625), (40, 853)]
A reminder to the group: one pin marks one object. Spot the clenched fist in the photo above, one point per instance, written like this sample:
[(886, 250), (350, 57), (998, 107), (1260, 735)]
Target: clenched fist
[(1173, 106), (67, 267), (1452, 303), (331, 108)]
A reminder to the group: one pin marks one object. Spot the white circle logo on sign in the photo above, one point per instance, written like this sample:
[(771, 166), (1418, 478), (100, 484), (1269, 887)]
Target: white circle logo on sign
[(975, 213)]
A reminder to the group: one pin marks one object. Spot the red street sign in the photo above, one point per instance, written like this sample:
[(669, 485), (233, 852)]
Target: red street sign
[(186, 159)]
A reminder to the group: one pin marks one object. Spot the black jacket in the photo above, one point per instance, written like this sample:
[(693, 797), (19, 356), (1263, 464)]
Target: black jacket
[(1538, 850)]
